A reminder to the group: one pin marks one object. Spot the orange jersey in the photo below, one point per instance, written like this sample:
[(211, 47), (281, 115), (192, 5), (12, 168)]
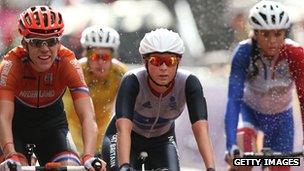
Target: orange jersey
[(38, 95)]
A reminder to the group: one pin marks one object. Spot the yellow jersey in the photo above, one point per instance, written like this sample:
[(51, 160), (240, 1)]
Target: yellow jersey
[(103, 93)]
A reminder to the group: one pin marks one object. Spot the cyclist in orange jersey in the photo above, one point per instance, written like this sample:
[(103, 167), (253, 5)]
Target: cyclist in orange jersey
[(33, 79), (102, 73)]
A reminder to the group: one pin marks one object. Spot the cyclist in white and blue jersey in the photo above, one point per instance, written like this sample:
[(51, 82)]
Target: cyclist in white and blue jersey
[(263, 72)]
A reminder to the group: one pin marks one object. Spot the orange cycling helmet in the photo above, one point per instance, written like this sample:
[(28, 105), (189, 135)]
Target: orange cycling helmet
[(40, 21)]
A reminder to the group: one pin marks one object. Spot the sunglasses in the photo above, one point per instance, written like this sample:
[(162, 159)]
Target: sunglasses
[(38, 42), (158, 61), (104, 57)]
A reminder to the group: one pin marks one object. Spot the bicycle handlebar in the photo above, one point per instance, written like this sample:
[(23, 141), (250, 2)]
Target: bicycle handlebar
[(97, 165), (271, 155), (64, 168)]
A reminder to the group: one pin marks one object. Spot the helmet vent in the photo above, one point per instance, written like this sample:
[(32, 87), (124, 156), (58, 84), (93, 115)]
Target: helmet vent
[(93, 37), (52, 18), (21, 24), (271, 7), (281, 16), (45, 20), (100, 38), (33, 8), (37, 21), (255, 21), (27, 19), (114, 40), (60, 18), (264, 17), (43, 9), (273, 19), (108, 37)]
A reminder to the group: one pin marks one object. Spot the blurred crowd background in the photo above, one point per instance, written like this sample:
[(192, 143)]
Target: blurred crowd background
[(210, 28)]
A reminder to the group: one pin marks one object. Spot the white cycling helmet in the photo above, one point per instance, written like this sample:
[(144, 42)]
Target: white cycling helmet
[(100, 36), (269, 15), (161, 40)]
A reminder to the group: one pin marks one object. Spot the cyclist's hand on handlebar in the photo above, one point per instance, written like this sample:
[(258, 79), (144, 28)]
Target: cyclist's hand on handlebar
[(232, 153), (126, 167), (12, 162), (92, 163)]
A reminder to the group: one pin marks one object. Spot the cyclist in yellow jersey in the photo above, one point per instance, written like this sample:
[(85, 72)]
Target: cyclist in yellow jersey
[(102, 74)]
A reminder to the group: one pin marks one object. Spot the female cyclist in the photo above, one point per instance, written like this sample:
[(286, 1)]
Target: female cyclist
[(148, 102), (264, 69)]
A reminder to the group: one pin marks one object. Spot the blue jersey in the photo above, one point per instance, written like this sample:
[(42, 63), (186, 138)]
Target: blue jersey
[(269, 92)]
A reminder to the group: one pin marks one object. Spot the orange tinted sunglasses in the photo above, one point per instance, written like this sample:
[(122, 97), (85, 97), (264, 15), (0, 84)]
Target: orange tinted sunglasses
[(104, 57), (158, 61)]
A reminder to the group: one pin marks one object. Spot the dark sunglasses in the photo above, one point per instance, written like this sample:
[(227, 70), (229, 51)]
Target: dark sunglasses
[(37, 42), (158, 61), (105, 57)]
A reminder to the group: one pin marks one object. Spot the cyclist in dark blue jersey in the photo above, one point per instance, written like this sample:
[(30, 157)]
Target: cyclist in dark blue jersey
[(149, 101)]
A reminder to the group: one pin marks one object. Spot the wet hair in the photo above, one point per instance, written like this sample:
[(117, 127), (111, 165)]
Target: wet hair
[(255, 56)]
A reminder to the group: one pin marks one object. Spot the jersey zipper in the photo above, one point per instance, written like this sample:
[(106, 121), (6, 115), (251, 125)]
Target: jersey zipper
[(158, 113), (38, 91)]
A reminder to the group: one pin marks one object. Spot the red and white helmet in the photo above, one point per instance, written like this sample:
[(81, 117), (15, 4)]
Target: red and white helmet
[(269, 15), (100, 36), (161, 40), (40, 21)]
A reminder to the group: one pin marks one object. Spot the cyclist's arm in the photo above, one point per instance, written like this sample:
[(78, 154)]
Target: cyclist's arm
[(6, 135), (296, 65), (7, 94), (197, 110), (124, 128), (125, 103), (85, 111), (238, 73), (201, 133)]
